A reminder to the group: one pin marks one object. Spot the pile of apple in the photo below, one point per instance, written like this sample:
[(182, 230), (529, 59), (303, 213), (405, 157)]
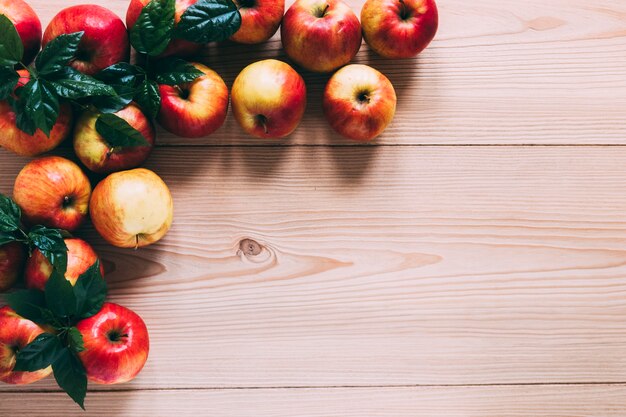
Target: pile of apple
[(76, 81)]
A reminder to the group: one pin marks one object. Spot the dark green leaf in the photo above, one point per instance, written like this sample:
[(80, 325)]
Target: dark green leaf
[(8, 80), (118, 133), (209, 21), (51, 244), (23, 118), (38, 354), (70, 374), (59, 295), (11, 47), (41, 105), (148, 98), (176, 72), (76, 340), (153, 30), (123, 77), (8, 238), (58, 53), (110, 104), (29, 304), (10, 215), (90, 291), (72, 84)]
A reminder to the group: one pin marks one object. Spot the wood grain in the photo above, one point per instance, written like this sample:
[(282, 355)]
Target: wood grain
[(503, 401), (499, 72), (381, 265)]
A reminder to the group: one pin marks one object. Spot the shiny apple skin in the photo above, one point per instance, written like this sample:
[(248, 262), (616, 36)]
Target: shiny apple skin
[(132, 209), (177, 47), (26, 23), (53, 192), (16, 331), (359, 102), (98, 156), (260, 20), (11, 264), (80, 257), (104, 43), (392, 35), (21, 143), (269, 99), (202, 112), (321, 44), (114, 362)]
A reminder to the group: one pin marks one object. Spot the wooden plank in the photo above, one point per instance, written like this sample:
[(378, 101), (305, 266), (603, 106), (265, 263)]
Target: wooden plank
[(503, 401), (499, 72), (381, 265)]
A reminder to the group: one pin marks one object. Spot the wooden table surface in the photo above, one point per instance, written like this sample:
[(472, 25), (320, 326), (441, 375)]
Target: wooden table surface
[(470, 263)]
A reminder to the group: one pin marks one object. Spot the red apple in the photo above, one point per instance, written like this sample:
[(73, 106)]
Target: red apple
[(21, 143), (98, 156), (359, 102), (53, 192), (321, 35), (399, 28), (177, 47), (116, 345), (15, 333), (196, 109), (80, 257), (132, 209), (104, 43), (269, 99), (11, 263), (260, 20), (27, 25)]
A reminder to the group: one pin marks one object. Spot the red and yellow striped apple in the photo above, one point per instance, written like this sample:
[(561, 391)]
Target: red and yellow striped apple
[(11, 264), (399, 28), (260, 20), (269, 99)]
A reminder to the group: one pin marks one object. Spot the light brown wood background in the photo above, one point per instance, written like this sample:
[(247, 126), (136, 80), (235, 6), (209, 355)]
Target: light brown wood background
[(454, 268)]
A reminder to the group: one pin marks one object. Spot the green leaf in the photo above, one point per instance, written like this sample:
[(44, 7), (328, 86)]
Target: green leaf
[(40, 104), (29, 304), (59, 295), (8, 80), (51, 244), (148, 98), (118, 133), (90, 291), (23, 118), (71, 84), (7, 238), (124, 78), (154, 28), (10, 215), (38, 354), (176, 72), (209, 21), (71, 376), (11, 47), (75, 339), (58, 53)]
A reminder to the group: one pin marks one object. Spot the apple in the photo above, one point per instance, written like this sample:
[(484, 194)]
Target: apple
[(15, 333), (21, 143), (27, 25), (80, 257), (176, 47), (359, 102), (269, 99), (53, 192), (105, 40), (11, 263), (321, 35), (98, 156), (399, 28), (132, 209), (260, 20), (196, 109), (116, 345)]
